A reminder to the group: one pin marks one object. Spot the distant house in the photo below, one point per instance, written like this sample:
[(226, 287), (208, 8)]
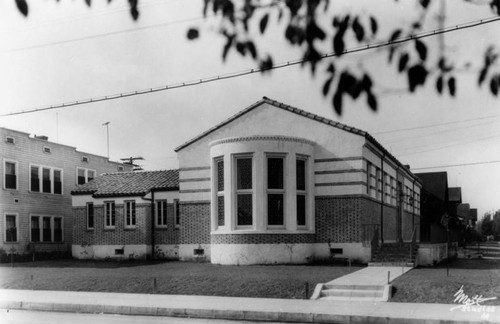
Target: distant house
[(35, 200), (113, 216), (272, 184)]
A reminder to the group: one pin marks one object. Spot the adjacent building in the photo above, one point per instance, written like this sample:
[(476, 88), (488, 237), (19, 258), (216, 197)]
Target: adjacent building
[(35, 196), (271, 184)]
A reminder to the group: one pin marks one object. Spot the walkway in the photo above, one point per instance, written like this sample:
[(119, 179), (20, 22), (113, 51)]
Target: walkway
[(252, 309), (367, 284)]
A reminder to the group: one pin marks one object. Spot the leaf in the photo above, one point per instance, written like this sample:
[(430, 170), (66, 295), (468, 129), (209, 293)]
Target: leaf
[(263, 23), (133, 9), (451, 86), (403, 61), (326, 86), (205, 7), (439, 84), (331, 69), (22, 6), (251, 48), (482, 75), (421, 49), (338, 43), (495, 84), (313, 32), (193, 33), (373, 25), (227, 46), (392, 50), (416, 76), (88, 2), (372, 101), (366, 83), (495, 4), (358, 29), (241, 48), (395, 35), (337, 102), (424, 3), (266, 64)]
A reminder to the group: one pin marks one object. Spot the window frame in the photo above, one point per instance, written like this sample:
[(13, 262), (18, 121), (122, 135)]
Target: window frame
[(40, 168), (112, 214), (238, 192), (303, 193), (219, 192), (130, 214), (163, 215), (89, 215), (275, 191), (16, 221), (85, 175), (16, 170)]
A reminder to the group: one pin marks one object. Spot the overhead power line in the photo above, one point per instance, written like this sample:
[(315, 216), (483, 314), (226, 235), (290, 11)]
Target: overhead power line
[(456, 165), (258, 69)]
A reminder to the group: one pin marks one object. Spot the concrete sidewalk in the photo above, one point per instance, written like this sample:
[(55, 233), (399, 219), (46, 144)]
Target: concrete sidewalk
[(371, 276), (254, 309)]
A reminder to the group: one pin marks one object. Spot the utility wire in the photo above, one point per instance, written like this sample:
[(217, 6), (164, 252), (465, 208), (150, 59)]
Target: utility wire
[(456, 165), (259, 69)]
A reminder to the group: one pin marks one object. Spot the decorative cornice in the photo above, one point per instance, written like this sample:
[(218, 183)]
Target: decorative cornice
[(275, 138)]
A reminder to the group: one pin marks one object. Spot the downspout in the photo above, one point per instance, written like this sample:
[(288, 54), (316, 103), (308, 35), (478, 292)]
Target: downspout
[(152, 221), (382, 198), (152, 224)]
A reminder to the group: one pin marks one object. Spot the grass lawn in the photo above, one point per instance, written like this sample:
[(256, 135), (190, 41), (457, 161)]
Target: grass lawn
[(182, 278), (433, 285)]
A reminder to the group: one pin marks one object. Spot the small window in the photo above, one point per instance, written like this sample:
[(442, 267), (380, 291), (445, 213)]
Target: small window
[(10, 228), (130, 215), (109, 214), (90, 215), (84, 175), (46, 149), (161, 213), (177, 212), (35, 229), (10, 140), (120, 169), (10, 170), (244, 191), (275, 191), (85, 159)]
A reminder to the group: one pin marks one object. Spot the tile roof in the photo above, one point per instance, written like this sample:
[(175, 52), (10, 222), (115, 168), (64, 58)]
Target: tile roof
[(130, 183), (435, 183), (301, 113)]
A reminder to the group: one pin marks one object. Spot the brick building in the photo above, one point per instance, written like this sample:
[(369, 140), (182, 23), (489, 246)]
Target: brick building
[(113, 216), (275, 184), (35, 199)]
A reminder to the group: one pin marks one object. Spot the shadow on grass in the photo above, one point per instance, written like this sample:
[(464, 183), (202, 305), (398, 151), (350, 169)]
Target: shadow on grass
[(100, 264), (479, 264)]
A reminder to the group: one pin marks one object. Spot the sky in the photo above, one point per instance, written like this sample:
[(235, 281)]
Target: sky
[(66, 51)]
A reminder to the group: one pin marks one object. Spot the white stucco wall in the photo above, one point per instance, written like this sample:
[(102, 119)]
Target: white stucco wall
[(101, 252)]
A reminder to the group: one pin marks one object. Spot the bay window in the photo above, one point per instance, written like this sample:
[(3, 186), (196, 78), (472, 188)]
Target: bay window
[(244, 191)]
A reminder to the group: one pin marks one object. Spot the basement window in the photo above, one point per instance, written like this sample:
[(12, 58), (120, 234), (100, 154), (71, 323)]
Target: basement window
[(120, 251)]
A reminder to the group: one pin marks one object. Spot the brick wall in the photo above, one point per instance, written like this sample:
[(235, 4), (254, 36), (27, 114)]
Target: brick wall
[(338, 219), (170, 234), (120, 235), (194, 223), (262, 238)]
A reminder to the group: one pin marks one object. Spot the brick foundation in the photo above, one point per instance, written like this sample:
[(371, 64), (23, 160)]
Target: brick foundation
[(262, 238)]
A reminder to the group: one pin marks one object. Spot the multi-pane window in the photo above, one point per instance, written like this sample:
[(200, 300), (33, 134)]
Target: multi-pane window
[(161, 213), (379, 183), (301, 191), (368, 177), (90, 215), (10, 228), (177, 212), (244, 191), (220, 192), (35, 229), (49, 230), (275, 191), (109, 214), (46, 229), (393, 191), (46, 179), (57, 229), (10, 178), (84, 175), (130, 218)]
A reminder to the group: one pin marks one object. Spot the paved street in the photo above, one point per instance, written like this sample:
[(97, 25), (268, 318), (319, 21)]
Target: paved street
[(32, 317)]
